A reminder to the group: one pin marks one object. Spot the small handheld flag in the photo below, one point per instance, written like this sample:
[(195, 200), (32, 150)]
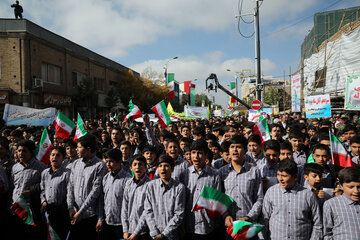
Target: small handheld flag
[(215, 202), (241, 230), (22, 208), (162, 114)]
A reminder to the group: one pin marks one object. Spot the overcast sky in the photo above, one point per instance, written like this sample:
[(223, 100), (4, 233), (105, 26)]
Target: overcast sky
[(202, 33)]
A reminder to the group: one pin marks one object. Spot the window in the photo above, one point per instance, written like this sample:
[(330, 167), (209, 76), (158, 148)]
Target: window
[(51, 73), (77, 77), (99, 83), (320, 78)]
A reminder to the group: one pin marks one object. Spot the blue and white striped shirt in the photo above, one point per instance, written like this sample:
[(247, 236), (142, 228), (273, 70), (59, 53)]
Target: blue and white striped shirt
[(245, 188), (341, 219), (112, 196), (292, 214), (84, 187), (198, 222), (54, 185), (132, 210), (165, 208)]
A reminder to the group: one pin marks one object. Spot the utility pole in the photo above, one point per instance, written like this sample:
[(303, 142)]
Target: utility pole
[(259, 83)]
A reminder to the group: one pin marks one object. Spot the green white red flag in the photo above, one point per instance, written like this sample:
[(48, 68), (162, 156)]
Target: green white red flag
[(63, 125), (339, 155), (52, 235), (262, 129), (42, 152), (22, 208), (170, 84), (162, 113), (233, 91), (241, 230), (134, 112), (80, 128), (215, 202)]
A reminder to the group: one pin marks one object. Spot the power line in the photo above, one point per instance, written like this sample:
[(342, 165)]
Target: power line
[(240, 18), (301, 20)]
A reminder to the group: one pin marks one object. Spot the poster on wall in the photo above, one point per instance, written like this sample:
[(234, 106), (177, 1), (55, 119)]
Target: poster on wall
[(352, 93), (295, 92), (318, 106)]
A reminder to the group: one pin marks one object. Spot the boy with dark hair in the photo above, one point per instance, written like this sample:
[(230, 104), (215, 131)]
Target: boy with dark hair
[(132, 210), (165, 202), (342, 214), (276, 132), (286, 151), (184, 142), (268, 170), (198, 133), (225, 156), (149, 152), (116, 137), (248, 129), (210, 138), (313, 175), (54, 181), (113, 185), (255, 155), (321, 155), (25, 178), (185, 131), (242, 182), (84, 189), (215, 149), (71, 155), (125, 148), (355, 149), (296, 138), (187, 155), (291, 211), (173, 150), (349, 131), (198, 224)]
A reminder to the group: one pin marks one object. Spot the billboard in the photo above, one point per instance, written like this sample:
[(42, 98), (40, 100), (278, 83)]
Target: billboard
[(295, 92)]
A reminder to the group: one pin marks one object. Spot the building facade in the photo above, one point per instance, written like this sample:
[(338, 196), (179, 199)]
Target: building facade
[(41, 69)]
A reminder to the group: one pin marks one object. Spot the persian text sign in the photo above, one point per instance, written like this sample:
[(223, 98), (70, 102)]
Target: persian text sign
[(318, 106), (196, 112), (18, 115), (352, 93), (295, 92), (57, 100)]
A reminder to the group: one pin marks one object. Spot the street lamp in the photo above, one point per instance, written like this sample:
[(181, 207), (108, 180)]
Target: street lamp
[(165, 67)]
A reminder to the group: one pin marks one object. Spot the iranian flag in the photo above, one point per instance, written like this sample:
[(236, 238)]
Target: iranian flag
[(80, 128), (170, 84), (134, 111), (42, 152), (233, 91), (215, 202), (52, 235), (63, 125), (22, 208), (162, 114), (262, 129), (241, 230), (340, 157)]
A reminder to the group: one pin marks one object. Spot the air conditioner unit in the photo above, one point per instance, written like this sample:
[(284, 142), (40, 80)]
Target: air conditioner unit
[(38, 82)]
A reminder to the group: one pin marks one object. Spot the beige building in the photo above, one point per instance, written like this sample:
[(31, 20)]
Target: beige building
[(41, 69)]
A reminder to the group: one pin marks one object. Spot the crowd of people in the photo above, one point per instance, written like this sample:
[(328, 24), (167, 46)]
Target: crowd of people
[(130, 180)]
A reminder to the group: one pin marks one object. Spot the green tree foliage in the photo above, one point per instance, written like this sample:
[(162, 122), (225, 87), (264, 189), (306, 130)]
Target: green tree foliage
[(272, 96)]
